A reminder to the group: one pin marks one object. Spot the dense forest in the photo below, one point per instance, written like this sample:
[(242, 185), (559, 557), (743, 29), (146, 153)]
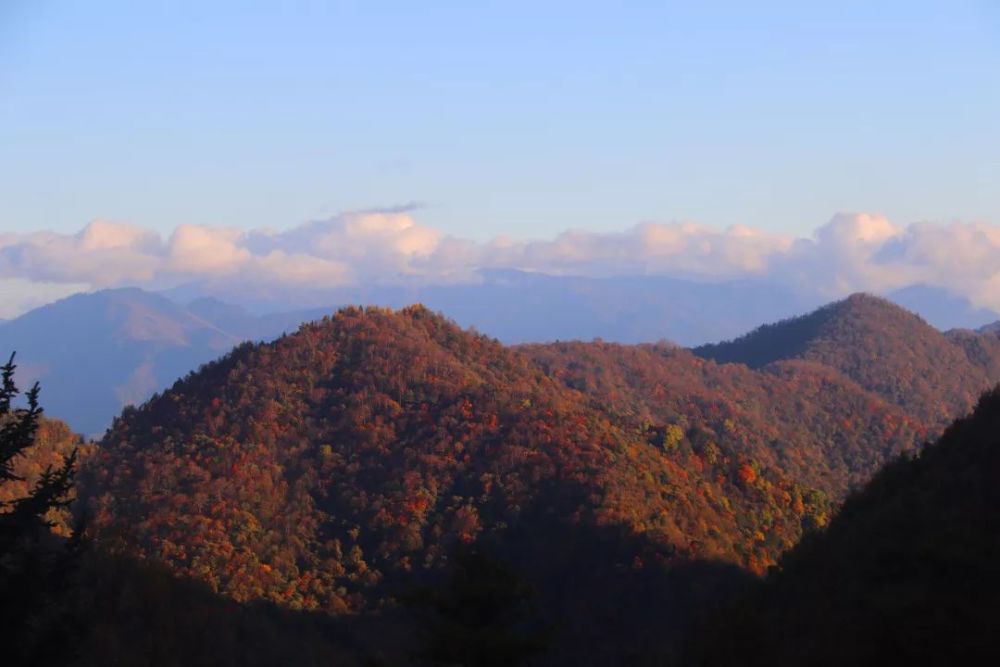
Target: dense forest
[(354, 492), (335, 467), (803, 419), (932, 376), (906, 573)]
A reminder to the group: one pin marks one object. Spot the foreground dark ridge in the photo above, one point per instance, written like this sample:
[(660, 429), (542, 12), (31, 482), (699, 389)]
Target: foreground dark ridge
[(905, 573)]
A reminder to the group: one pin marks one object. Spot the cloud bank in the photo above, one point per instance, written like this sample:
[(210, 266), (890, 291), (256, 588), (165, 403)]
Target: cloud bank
[(851, 252)]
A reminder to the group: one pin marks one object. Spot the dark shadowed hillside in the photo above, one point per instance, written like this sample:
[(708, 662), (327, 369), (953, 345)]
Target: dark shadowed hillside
[(882, 347), (120, 611), (906, 573)]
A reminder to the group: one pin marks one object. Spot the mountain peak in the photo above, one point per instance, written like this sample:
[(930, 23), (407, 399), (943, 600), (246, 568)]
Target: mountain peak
[(866, 302), (95, 352), (865, 299), (793, 337), (881, 346)]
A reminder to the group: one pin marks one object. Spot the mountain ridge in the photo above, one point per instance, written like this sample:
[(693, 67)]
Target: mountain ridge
[(126, 352), (883, 347)]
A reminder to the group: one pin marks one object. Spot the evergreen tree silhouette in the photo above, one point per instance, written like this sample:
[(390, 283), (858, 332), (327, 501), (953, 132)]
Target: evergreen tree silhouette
[(33, 562)]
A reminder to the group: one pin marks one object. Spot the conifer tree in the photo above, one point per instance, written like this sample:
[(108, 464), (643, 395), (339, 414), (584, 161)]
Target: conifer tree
[(22, 518), (32, 560)]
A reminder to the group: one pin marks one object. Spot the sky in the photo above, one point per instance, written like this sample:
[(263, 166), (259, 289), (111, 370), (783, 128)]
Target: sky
[(482, 122), (520, 119)]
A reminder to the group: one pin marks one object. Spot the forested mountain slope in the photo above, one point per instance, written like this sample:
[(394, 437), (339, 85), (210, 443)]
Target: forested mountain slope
[(906, 573), (882, 347), (68, 600), (336, 467), (802, 418), (316, 470)]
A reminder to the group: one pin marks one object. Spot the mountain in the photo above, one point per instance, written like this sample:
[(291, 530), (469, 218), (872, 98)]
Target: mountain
[(125, 344), (992, 327), (249, 326), (97, 352), (527, 307), (941, 308), (78, 602), (521, 307), (337, 466), (884, 348), (802, 418), (631, 488), (906, 572)]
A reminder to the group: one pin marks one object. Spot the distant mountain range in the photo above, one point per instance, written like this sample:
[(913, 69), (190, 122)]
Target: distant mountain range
[(519, 307), (95, 353), (943, 309), (100, 351)]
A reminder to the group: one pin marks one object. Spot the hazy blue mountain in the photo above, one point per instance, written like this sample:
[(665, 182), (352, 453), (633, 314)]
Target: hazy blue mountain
[(518, 307), (249, 326), (942, 308), (95, 353)]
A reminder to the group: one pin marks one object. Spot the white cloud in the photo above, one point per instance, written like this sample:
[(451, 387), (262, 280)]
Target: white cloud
[(206, 251), (851, 252)]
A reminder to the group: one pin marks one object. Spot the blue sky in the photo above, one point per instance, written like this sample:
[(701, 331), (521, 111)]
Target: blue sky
[(519, 119)]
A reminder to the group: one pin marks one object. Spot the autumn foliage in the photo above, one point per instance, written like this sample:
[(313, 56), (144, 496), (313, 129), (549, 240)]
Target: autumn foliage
[(626, 486), (321, 470)]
